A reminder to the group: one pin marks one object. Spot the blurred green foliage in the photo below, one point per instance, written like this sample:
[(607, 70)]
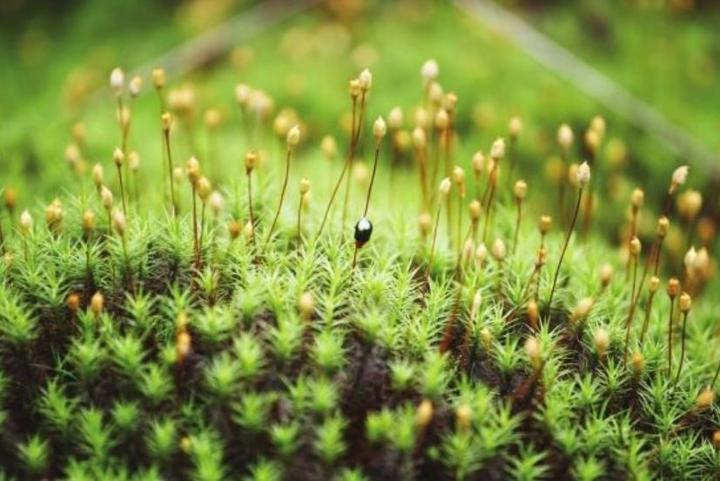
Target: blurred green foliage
[(305, 62)]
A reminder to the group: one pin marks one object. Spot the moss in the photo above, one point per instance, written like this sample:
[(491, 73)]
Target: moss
[(175, 347)]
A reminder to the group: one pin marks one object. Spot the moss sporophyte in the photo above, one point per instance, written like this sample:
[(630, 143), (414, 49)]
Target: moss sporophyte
[(194, 320)]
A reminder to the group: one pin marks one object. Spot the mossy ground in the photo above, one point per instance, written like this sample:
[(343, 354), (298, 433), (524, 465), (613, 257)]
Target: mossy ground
[(270, 393), (268, 357)]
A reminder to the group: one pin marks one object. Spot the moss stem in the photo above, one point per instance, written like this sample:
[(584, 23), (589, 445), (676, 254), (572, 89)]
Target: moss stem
[(670, 336), (517, 225), (351, 158), (447, 139), (282, 195), (202, 232), (250, 204), (633, 230), (372, 178), (196, 245), (299, 220), (122, 189), (458, 232), (682, 347), (562, 182), (421, 155), (492, 185), (348, 161), (168, 152), (564, 249), (646, 321), (434, 240), (715, 377), (631, 313)]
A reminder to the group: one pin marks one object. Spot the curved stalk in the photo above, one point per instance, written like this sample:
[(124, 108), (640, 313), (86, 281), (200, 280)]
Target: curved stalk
[(682, 347), (670, 335), (348, 161), (196, 245), (434, 239), (517, 225), (299, 220), (166, 135), (648, 310), (369, 194), (282, 195), (564, 249), (631, 314), (250, 204)]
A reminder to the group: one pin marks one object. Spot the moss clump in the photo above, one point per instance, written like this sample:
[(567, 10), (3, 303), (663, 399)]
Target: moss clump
[(183, 345)]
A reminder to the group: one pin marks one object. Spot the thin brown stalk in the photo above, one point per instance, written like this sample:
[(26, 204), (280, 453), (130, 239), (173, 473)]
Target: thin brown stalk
[(670, 335), (434, 239), (565, 246), (535, 275), (657, 244), (122, 189), (421, 156), (657, 257), (299, 219), (633, 230), (715, 377), (351, 158), (447, 144), (646, 321), (492, 180), (517, 225), (458, 232), (372, 179), (369, 195), (196, 245), (653, 257), (588, 208), (355, 253), (282, 195), (563, 183), (173, 201), (488, 185), (125, 135), (348, 161), (436, 158), (202, 231), (682, 347), (250, 203), (633, 303)]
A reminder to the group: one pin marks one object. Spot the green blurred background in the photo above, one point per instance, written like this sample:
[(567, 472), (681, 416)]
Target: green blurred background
[(55, 58)]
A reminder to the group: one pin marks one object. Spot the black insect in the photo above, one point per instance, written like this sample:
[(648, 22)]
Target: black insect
[(363, 231)]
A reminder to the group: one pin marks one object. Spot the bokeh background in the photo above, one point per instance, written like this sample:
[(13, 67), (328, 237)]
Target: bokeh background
[(55, 58)]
